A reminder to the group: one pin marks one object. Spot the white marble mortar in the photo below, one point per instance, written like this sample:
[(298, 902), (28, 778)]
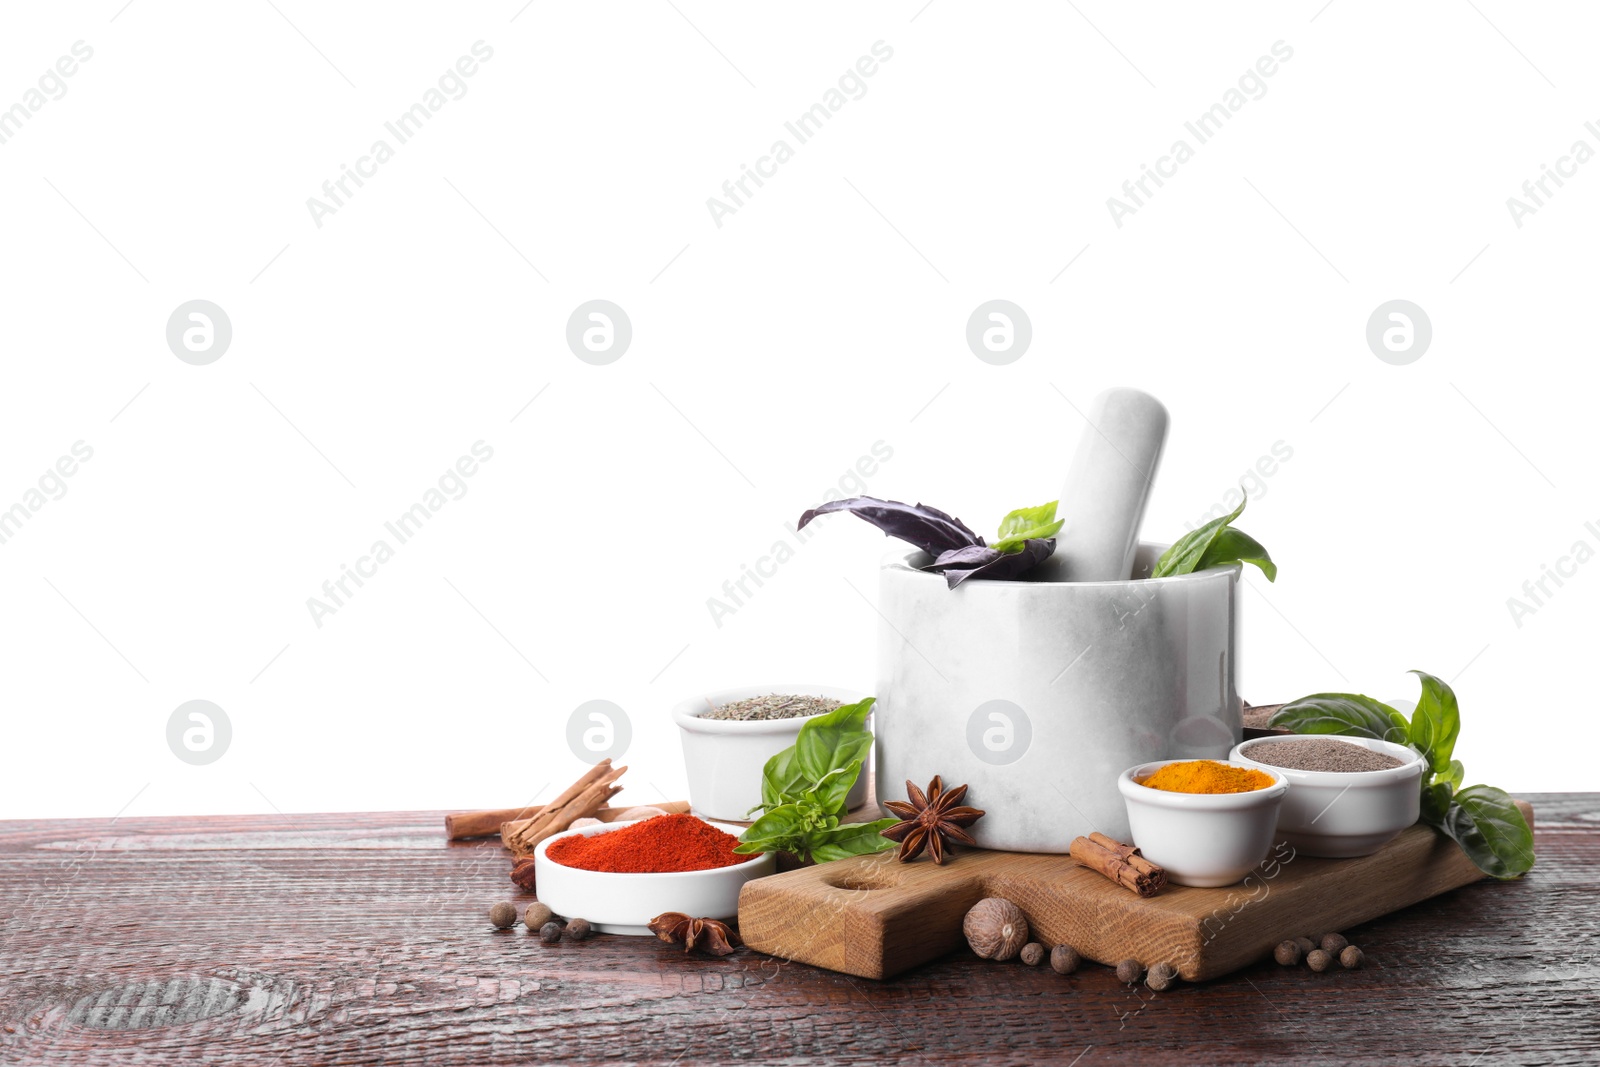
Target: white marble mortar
[(1039, 693)]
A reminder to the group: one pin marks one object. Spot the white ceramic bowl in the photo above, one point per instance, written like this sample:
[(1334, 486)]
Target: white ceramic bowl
[(724, 758), (1344, 813), (1202, 839), (625, 903)]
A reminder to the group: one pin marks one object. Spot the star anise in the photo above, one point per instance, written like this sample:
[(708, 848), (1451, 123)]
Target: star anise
[(708, 935), (931, 820), (522, 874)]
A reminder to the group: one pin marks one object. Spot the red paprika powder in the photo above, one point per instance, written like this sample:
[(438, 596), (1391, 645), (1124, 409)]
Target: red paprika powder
[(660, 845)]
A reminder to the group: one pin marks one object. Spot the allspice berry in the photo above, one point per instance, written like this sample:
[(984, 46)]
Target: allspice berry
[(1287, 953), (1064, 959), (550, 933), (536, 915), (578, 929), (1352, 957), (1162, 977), (503, 915), (1032, 953), (1306, 945), (995, 928), (1318, 960), (1129, 971), (1333, 944)]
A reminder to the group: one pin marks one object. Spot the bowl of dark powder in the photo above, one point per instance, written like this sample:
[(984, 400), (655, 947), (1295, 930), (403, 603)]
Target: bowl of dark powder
[(1348, 796)]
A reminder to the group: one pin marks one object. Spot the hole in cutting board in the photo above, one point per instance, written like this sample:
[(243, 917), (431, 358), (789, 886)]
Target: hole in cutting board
[(859, 880)]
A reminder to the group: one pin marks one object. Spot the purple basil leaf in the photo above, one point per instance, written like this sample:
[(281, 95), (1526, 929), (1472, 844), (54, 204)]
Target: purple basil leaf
[(927, 528), (990, 563), (970, 556)]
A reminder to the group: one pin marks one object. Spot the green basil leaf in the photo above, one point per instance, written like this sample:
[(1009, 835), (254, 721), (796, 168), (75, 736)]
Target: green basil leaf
[(834, 789), (1350, 714), (1452, 775), (1236, 546), (832, 740), (1026, 523), (1436, 723), (1026, 519), (783, 823), (1436, 803), (1491, 830), (853, 839), (1185, 554), (781, 778)]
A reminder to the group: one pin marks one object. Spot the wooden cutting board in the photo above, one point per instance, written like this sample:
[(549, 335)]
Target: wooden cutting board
[(875, 917)]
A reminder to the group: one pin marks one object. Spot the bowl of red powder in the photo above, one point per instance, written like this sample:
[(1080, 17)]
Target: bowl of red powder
[(619, 876)]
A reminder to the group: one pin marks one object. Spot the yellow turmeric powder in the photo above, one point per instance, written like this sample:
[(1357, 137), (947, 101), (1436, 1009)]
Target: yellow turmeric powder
[(1207, 776)]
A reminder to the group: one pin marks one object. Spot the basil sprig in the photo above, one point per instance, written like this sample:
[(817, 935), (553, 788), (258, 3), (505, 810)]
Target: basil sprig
[(1483, 820), (1027, 524), (804, 790), (1213, 545), (1027, 536)]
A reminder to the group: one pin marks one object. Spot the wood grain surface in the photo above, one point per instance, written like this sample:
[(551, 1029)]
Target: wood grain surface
[(361, 939), (875, 917)]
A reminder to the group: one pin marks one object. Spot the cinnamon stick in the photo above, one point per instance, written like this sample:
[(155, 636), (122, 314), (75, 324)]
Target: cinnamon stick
[(522, 841), (1123, 864), (592, 775), (589, 777), (464, 824), (578, 801), (484, 823)]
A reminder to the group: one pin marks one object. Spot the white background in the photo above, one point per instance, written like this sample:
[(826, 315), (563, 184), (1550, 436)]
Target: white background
[(768, 355)]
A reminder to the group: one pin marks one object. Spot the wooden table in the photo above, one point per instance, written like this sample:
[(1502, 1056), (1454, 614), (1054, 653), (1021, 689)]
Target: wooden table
[(318, 939)]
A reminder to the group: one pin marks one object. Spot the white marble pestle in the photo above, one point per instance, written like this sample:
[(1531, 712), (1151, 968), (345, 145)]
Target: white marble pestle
[(1102, 502)]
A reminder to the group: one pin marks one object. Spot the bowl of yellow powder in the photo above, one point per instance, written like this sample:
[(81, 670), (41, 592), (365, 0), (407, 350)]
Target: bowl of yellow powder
[(1208, 822)]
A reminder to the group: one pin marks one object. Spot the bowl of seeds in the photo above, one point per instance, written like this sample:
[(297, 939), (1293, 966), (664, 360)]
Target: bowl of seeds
[(730, 734), (1348, 796)]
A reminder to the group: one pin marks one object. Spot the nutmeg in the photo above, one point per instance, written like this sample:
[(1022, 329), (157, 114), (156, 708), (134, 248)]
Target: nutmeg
[(1333, 944), (1351, 957), (995, 928), (1318, 960), (1287, 953), (640, 811)]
